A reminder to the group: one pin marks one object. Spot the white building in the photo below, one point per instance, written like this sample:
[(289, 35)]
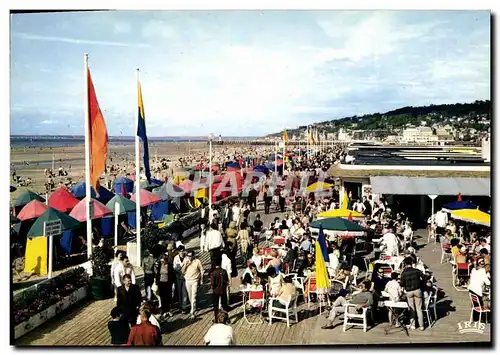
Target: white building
[(343, 136), (419, 135)]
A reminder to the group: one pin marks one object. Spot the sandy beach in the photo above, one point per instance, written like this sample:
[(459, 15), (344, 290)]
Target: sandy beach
[(30, 162)]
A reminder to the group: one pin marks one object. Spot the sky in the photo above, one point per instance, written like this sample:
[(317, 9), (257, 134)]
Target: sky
[(240, 73)]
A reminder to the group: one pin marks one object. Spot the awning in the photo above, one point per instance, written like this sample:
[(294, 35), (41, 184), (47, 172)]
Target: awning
[(403, 185)]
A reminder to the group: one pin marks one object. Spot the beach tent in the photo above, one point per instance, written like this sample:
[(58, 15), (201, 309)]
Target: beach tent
[(261, 168), (79, 192), (147, 198), (123, 181), (473, 216), (62, 200), (79, 212), (159, 210), (170, 192), (125, 204), (340, 213), (67, 222), (35, 258), (459, 205), (25, 198), (186, 185), (34, 209)]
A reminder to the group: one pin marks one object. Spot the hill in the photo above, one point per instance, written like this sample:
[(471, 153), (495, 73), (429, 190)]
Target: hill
[(476, 115)]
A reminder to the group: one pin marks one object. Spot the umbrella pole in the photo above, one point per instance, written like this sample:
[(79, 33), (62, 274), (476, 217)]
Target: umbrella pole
[(117, 210)]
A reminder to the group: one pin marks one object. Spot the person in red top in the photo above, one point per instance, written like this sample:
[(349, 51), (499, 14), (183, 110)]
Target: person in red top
[(145, 333)]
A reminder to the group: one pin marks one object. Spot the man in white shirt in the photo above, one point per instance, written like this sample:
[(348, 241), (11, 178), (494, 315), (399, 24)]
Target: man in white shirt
[(213, 240), (236, 214), (122, 269), (389, 242), (360, 207)]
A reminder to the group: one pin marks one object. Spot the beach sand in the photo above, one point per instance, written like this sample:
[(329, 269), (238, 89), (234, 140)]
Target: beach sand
[(31, 162)]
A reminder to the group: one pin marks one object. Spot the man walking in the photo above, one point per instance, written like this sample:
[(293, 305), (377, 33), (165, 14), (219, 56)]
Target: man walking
[(129, 299), (148, 265), (219, 282), (192, 270), (411, 281), (213, 241)]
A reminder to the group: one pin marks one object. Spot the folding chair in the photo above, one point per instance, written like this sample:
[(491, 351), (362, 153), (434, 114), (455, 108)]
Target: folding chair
[(290, 308), (429, 303), (461, 271), (476, 306), (256, 300), (446, 252)]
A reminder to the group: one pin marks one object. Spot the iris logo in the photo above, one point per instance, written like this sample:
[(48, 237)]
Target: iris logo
[(471, 327)]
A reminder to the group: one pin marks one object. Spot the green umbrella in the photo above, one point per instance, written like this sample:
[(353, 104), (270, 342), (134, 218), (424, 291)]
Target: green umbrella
[(26, 197), (337, 224), (125, 204), (50, 215)]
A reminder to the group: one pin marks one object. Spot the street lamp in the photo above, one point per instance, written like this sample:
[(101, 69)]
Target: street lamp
[(210, 138)]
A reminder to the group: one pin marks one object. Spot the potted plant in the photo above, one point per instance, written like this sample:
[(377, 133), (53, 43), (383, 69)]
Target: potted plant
[(100, 281)]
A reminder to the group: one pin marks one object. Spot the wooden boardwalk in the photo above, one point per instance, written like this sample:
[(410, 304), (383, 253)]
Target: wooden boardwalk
[(86, 323)]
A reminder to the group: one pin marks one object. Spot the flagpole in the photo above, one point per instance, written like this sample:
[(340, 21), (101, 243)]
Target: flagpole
[(86, 125), (275, 159), (137, 182), (284, 151)]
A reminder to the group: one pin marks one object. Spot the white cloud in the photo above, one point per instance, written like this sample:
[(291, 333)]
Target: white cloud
[(76, 40)]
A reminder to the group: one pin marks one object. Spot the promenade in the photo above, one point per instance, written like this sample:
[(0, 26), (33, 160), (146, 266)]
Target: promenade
[(86, 323)]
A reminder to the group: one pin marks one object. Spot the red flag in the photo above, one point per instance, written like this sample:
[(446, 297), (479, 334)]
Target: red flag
[(459, 197), (98, 137), (349, 218)]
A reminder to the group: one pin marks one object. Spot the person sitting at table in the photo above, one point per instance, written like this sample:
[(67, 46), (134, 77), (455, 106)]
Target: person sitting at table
[(291, 254), (378, 285), (256, 258), (310, 260), (451, 227), (283, 226), (360, 300), (389, 243), (395, 291), (275, 281), (454, 247), (251, 275), (287, 289), (343, 273), (334, 257), (257, 224), (478, 280), (275, 262), (301, 263), (485, 255), (484, 244), (461, 256), (275, 225)]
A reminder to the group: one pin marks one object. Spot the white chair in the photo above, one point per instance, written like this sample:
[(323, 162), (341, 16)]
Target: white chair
[(476, 306), (429, 303), (446, 254), (348, 316), (290, 308)]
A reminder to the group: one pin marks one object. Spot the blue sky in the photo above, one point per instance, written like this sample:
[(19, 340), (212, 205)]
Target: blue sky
[(241, 72)]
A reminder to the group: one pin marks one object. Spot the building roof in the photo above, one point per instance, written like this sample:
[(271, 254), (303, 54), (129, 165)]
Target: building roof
[(404, 185), (344, 173)]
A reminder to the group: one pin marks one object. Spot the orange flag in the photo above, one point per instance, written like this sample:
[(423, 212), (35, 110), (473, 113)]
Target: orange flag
[(98, 137)]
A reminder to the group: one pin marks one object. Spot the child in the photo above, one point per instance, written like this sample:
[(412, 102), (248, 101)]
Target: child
[(118, 328)]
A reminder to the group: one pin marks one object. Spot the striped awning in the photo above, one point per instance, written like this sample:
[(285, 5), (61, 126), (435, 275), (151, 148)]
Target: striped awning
[(403, 185)]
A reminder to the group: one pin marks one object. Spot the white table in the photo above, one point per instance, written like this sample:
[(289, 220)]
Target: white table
[(397, 309)]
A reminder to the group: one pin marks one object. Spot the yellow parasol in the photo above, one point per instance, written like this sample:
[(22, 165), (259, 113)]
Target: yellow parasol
[(473, 216), (345, 201), (340, 213), (318, 186), (322, 279)]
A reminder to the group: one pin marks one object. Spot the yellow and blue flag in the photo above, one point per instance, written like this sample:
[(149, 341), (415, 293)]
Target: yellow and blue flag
[(141, 132), (322, 244)]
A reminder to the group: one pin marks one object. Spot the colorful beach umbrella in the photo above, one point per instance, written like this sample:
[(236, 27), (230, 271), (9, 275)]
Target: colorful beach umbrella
[(186, 185), (473, 216), (79, 212), (147, 198), (318, 186), (26, 197), (125, 204), (323, 245), (340, 213), (50, 215), (62, 200), (79, 191), (459, 205), (34, 209)]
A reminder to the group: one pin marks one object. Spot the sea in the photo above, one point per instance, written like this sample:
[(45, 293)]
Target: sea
[(68, 141)]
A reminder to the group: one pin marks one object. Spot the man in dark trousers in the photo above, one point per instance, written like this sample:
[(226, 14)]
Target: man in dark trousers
[(268, 198), (129, 299), (411, 281), (219, 281)]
